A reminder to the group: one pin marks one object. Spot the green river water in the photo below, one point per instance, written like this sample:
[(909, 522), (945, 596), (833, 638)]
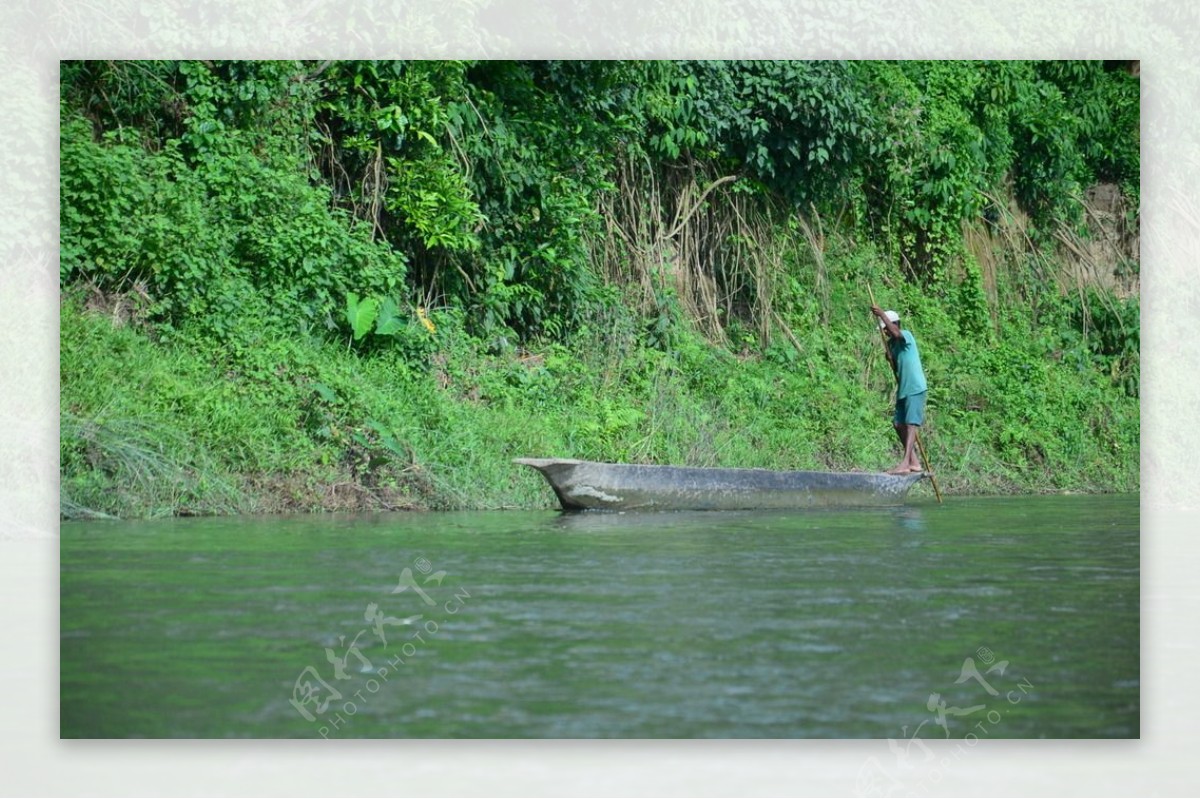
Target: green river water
[(987, 617)]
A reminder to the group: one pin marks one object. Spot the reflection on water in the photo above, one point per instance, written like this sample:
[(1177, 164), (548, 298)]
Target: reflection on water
[(865, 623), (911, 519)]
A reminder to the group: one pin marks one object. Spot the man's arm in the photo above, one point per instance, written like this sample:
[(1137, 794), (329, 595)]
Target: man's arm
[(887, 351), (892, 329)]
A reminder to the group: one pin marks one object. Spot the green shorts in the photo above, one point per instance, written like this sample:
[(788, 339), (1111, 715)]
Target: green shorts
[(910, 409)]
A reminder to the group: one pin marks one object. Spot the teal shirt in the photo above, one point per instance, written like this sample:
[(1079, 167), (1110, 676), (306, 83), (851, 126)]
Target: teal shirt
[(910, 377)]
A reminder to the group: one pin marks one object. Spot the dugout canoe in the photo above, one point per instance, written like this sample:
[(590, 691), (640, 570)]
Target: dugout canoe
[(587, 485)]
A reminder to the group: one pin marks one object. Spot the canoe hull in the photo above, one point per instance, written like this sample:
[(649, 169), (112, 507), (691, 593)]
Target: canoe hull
[(586, 485)]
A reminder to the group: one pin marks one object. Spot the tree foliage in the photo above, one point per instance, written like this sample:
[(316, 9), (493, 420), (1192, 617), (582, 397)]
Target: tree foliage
[(284, 186)]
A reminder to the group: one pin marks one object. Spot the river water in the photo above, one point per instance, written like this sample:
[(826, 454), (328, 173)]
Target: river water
[(987, 617)]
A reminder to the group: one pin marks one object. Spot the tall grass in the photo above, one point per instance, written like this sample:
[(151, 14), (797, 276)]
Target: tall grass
[(121, 466)]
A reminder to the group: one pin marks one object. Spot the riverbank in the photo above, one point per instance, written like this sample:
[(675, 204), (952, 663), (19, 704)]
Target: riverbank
[(349, 285), (270, 421)]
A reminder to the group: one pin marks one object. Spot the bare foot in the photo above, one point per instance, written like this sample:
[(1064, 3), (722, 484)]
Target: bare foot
[(897, 470)]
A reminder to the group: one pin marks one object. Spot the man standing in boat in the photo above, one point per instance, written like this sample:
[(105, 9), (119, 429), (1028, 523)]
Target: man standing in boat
[(910, 387)]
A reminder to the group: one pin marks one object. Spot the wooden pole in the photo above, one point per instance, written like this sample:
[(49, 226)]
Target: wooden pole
[(917, 433), (925, 460)]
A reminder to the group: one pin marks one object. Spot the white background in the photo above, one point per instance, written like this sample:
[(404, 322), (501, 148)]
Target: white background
[(35, 35)]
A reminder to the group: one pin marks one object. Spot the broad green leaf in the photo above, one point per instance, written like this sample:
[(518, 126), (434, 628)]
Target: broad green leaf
[(361, 314), (389, 322)]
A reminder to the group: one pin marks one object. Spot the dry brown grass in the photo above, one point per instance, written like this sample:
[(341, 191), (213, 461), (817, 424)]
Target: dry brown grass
[(690, 234)]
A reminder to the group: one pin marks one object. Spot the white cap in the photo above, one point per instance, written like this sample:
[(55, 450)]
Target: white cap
[(892, 316)]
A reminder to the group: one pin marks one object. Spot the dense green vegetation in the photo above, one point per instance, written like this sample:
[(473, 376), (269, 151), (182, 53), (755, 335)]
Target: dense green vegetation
[(302, 285)]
